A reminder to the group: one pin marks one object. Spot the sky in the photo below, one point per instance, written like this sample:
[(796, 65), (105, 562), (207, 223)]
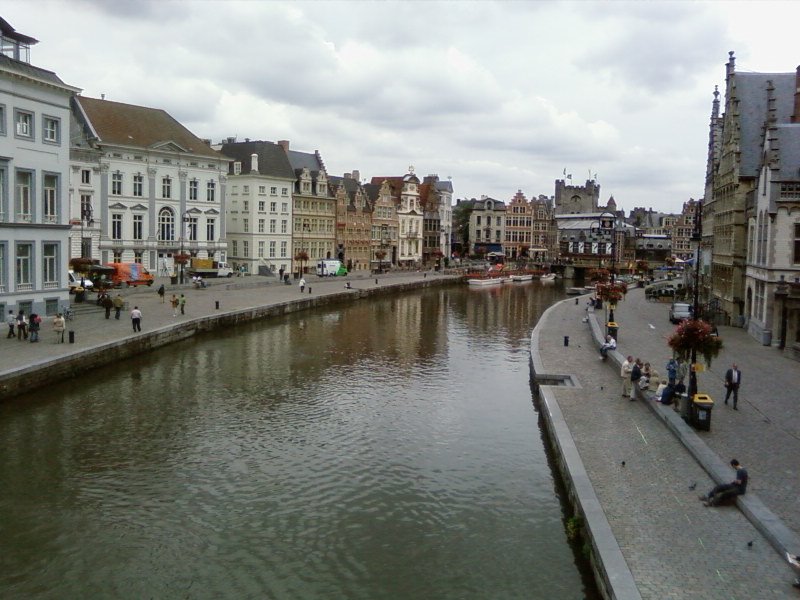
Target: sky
[(496, 96)]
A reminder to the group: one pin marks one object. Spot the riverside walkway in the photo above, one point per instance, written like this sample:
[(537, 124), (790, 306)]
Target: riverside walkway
[(659, 540), (91, 329)]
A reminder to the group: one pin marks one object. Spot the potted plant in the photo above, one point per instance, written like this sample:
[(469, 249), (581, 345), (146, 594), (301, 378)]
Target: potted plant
[(693, 337)]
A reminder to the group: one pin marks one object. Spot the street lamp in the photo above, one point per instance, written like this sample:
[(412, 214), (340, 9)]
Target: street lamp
[(184, 220), (697, 236), (384, 243), (86, 217)]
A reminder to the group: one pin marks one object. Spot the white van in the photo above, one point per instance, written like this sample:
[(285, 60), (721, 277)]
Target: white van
[(74, 280), (330, 268)]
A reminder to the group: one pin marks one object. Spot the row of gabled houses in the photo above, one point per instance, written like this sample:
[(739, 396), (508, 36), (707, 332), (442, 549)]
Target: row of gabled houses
[(114, 182)]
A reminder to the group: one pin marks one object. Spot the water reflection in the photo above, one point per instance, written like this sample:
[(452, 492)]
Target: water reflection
[(388, 449)]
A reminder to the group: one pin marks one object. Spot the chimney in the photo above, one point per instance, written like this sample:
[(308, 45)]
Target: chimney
[(231, 140), (347, 176), (284, 144), (254, 163), (356, 175), (796, 114)]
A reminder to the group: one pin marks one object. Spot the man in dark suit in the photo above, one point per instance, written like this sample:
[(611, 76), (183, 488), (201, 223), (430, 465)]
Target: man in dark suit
[(733, 379)]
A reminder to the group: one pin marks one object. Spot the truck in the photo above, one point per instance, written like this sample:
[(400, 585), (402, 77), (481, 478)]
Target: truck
[(129, 274), (330, 268), (207, 267)]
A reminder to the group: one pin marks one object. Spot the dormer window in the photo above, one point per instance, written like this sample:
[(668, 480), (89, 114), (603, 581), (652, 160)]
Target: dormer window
[(237, 168)]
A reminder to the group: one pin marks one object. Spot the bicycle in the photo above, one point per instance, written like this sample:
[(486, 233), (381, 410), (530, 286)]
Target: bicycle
[(69, 314)]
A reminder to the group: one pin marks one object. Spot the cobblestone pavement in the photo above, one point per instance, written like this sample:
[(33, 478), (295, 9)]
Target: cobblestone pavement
[(674, 546), (91, 328), (764, 434)]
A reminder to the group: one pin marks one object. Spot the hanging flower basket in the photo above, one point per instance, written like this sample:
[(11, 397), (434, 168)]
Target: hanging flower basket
[(642, 266), (599, 275), (301, 256), (182, 259), (611, 292), (695, 334)]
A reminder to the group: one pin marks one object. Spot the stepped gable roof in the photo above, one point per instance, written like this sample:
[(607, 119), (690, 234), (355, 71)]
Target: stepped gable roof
[(272, 159), (139, 126), (751, 91), (373, 191), (305, 160), (396, 183), (789, 147)]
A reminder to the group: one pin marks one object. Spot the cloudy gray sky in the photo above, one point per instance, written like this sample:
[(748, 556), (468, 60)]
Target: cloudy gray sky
[(499, 96)]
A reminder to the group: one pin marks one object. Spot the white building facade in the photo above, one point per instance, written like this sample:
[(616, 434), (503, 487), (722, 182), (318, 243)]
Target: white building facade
[(156, 191), (34, 175)]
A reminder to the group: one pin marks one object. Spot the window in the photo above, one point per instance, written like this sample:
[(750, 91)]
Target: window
[(86, 176), (191, 227), (284, 207), (138, 185), (245, 189), (24, 183), (246, 249), (86, 209), (273, 191), (235, 248), (116, 226), (284, 226), (272, 249), (211, 189), (166, 225), (273, 207), (283, 249), (166, 187), (284, 192), (262, 206), (137, 256), (24, 124), (193, 187), (262, 189), (246, 206), (50, 265), (116, 184), (210, 226), (261, 226), (50, 205), (52, 130), (260, 249), (246, 225), (796, 243), (2, 129), (22, 264), (138, 227), (116, 256), (272, 225), (237, 168)]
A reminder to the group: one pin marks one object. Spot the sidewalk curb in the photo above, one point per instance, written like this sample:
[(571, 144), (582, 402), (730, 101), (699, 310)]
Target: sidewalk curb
[(612, 573)]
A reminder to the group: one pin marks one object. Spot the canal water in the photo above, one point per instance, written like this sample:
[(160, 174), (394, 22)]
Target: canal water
[(387, 449)]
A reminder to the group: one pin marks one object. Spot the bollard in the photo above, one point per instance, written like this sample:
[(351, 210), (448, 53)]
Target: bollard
[(216, 304), (309, 289), (566, 340), (71, 335), (576, 301), (376, 281)]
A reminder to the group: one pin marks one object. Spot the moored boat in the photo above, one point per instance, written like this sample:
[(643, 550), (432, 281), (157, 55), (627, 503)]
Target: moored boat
[(548, 277)]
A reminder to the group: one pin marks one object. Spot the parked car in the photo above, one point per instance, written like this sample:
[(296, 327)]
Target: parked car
[(75, 281), (680, 311)]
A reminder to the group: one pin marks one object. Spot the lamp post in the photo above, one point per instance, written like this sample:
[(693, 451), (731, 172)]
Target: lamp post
[(384, 240), (184, 221), (696, 238), (86, 217)]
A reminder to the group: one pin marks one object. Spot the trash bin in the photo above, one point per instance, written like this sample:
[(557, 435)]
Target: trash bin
[(702, 404), (80, 294), (173, 280), (612, 329)]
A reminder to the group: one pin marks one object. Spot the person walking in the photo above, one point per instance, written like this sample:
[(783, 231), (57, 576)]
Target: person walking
[(59, 325), (107, 303), (174, 302), (625, 372), (302, 284), (118, 304), (161, 292), (733, 379), (182, 303), (136, 319), (11, 321), (33, 327), (22, 326)]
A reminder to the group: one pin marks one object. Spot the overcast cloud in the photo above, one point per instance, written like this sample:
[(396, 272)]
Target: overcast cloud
[(500, 96)]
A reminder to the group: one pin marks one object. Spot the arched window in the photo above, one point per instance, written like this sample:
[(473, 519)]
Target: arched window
[(166, 225)]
